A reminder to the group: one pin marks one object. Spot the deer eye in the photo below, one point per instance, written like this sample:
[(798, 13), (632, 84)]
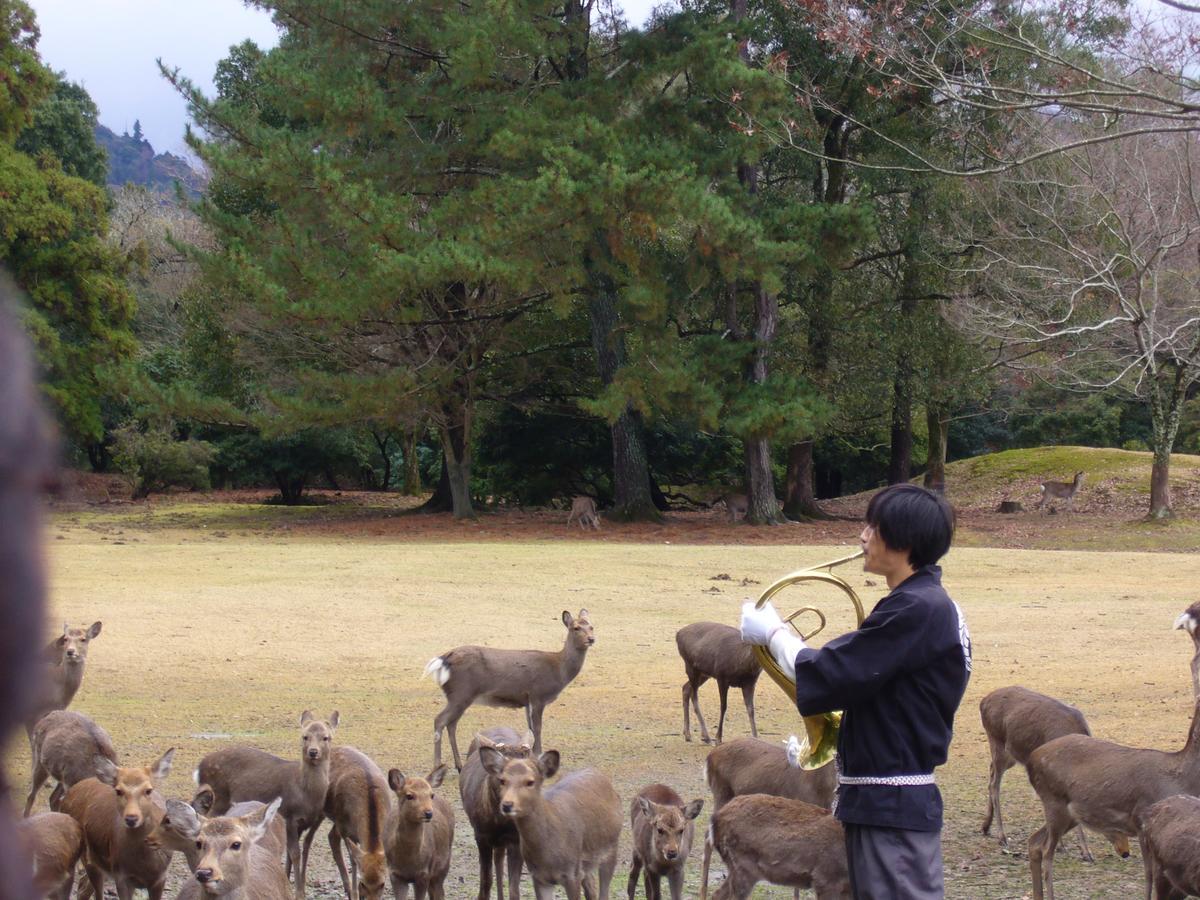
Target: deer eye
[(662, 831), (120, 793), (410, 796), (199, 846), (529, 783), (236, 845), (149, 791)]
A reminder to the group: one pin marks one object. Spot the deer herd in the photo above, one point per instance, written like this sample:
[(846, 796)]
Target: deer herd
[(248, 829)]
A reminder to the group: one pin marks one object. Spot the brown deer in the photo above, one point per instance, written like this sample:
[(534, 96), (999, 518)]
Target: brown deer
[(751, 766), (1167, 834), (357, 803), (118, 810), (181, 823), (787, 842), (246, 773), (1060, 490), (569, 831), (66, 746), (584, 510), (1189, 621), (234, 861), (1084, 781), (495, 834), (418, 835), (712, 650), (515, 679), (663, 828), (54, 841), (1017, 721), (737, 505), (66, 658)]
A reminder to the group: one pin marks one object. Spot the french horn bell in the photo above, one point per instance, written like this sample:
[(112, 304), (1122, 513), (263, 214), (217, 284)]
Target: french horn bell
[(819, 744)]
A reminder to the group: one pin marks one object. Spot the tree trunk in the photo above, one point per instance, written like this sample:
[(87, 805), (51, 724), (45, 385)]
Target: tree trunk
[(456, 450), (935, 470), (1168, 391), (412, 465), (631, 468), (799, 496), (1160, 485), (381, 442), (763, 505), (900, 459), (441, 500), (290, 489)]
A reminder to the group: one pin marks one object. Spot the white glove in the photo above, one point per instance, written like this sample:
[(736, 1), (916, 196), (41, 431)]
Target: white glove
[(784, 645), (757, 624), (793, 752)]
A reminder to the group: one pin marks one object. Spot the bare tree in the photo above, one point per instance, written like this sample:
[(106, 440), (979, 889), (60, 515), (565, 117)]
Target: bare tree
[(1085, 273)]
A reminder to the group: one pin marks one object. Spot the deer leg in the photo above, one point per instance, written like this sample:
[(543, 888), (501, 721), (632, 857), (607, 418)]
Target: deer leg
[(308, 839), (675, 882), (40, 774), (723, 690), (335, 848), (56, 797), (536, 715), (399, 888), (1036, 844), (635, 868), (449, 716), (1085, 852), (697, 679), (488, 856), (687, 724), (1001, 763), (748, 699), (607, 867), (515, 863), (452, 730)]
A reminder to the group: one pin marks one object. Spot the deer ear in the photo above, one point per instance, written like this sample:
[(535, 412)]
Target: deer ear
[(492, 760), (306, 717), (182, 818), (583, 614), (203, 799), (162, 768), (395, 779), (693, 809), (256, 822), (355, 848), (334, 718), (568, 620), (548, 762), (437, 776), (94, 630), (644, 805), (106, 770)]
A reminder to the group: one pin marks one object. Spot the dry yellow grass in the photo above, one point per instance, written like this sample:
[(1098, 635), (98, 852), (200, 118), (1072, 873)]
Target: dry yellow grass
[(236, 636)]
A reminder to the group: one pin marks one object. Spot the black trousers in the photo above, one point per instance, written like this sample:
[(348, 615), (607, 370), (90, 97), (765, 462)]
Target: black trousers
[(894, 863)]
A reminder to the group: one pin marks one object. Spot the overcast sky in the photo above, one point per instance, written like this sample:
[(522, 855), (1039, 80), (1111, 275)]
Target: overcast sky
[(109, 46)]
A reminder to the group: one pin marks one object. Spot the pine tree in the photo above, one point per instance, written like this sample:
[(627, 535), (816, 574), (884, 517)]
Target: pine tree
[(137, 130)]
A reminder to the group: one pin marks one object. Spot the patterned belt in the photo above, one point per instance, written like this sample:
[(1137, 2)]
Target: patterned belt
[(894, 780)]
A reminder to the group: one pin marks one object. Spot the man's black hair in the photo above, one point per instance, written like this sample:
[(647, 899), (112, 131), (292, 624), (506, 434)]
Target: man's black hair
[(908, 517)]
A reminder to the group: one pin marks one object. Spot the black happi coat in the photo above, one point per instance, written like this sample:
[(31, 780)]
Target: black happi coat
[(899, 678)]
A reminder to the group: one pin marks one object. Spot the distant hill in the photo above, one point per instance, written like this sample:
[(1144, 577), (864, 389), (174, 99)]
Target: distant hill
[(131, 160)]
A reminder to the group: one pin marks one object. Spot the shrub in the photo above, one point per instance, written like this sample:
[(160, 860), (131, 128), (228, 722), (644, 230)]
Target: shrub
[(153, 460)]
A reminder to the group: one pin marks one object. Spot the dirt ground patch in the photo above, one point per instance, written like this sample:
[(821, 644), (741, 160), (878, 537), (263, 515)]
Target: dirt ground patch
[(233, 629)]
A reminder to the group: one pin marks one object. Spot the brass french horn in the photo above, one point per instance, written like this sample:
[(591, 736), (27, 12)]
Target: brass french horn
[(820, 742)]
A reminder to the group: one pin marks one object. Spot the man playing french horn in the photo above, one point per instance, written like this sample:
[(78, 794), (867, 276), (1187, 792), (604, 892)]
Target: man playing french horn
[(899, 679)]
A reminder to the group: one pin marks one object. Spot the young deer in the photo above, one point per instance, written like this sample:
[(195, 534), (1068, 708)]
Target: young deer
[(246, 773), (118, 810), (1017, 721), (181, 823), (569, 831), (54, 841), (418, 835), (712, 650), (787, 842), (751, 766), (65, 658), (234, 861), (495, 834), (663, 828), (1167, 834), (584, 509), (529, 679), (358, 803), (1084, 781), (66, 746), (1060, 490)]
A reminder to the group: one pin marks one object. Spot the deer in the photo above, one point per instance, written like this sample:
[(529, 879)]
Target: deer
[(1104, 786), (181, 823), (1017, 721), (66, 746), (1060, 490), (247, 773), (418, 835), (584, 510), (66, 659), (569, 832), (514, 679), (751, 766), (712, 650), (495, 834), (781, 841), (54, 841), (1167, 833), (118, 810), (358, 803), (1189, 621), (737, 505), (235, 862), (663, 827)]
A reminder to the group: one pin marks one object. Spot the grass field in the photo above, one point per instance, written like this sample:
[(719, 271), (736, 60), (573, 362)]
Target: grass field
[(219, 636)]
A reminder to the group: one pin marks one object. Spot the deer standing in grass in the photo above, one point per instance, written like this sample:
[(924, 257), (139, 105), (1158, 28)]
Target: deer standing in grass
[(118, 810), (569, 831), (358, 803), (181, 823), (1060, 490), (235, 862), (66, 659), (712, 650), (418, 835), (66, 746), (584, 510), (54, 841), (663, 827), (736, 505), (246, 773), (787, 842), (515, 679), (496, 835), (1017, 721)]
